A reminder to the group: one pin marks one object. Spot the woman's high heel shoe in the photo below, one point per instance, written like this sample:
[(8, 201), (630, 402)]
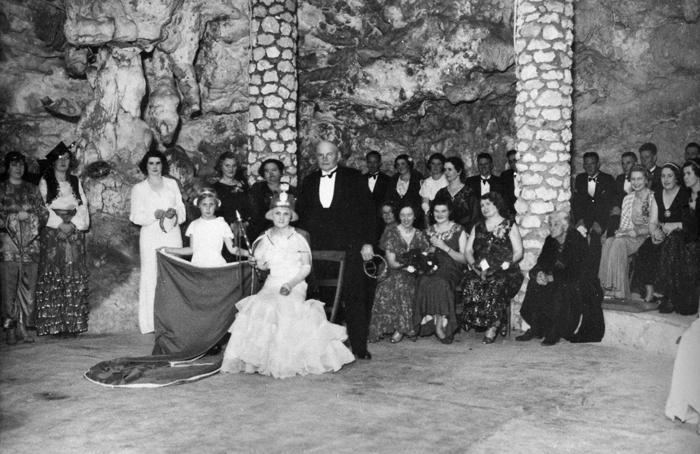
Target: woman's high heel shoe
[(396, 338), (490, 336)]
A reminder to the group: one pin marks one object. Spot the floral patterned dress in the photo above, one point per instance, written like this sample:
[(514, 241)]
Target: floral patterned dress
[(485, 300), (395, 296)]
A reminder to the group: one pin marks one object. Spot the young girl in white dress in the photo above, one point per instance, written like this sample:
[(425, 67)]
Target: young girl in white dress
[(278, 332), (207, 234)]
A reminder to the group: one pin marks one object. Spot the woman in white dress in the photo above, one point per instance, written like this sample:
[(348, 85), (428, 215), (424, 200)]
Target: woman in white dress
[(156, 205), (435, 181), (684, 399), (278, 332)]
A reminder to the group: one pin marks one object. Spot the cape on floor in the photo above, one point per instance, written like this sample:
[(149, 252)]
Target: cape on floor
[(194, 308)]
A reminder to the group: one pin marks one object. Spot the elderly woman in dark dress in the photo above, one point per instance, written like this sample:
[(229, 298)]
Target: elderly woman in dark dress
[(464, 200), (404, 188), (563, 296), (261, 193), (232, 191), (665, 264), (435, 298), (493, 278), (394, 299)]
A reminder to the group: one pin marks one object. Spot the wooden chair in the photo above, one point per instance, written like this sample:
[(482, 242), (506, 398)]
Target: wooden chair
[(334, 257)]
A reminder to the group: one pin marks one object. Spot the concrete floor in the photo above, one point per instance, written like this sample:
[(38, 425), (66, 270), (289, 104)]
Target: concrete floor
[(413, 397)]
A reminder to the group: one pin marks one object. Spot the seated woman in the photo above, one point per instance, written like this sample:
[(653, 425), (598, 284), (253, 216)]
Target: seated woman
[(563, 296), (277, 331), (684, 399), (404, 188), (667, 264), (392, 312), (261, 194), (635, 215), (435, 298), (493, 277)]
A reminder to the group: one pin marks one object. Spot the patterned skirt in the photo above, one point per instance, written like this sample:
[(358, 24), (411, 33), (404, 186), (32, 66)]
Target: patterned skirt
[(62, 290), (485, 301)]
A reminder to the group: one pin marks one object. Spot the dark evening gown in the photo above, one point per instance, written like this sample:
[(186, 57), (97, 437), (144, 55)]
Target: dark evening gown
[(411, 197), (436, 292), (569, 307), (465, 210), (672, 266), (233, 198), (485, 300), (395, 296)]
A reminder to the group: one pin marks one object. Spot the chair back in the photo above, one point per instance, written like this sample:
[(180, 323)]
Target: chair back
[(337, 282)]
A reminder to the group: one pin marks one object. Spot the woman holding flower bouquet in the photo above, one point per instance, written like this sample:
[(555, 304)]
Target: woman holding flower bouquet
[(392, 312), (435, 298), (493, 277)]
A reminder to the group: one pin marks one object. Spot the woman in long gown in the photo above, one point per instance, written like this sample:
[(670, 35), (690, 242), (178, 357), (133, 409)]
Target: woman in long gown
[(62, 290), (392, 312), (464, 201), (563, 297), (684, 399), (277, 331), (636, 214), (435, 298), (404, 188), (156, 205), (233, 194), (494, 277)]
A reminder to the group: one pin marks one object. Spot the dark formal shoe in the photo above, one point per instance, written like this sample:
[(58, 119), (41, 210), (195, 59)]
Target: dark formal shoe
[(666, 307), (549, 342), (526, 336), (215, 350), (364, 355)]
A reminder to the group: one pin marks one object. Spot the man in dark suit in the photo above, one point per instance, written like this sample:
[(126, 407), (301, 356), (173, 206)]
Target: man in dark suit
[(594, 197), (508, 179), (692, 151), (622, 188), (336, 209), (377, 183), (486, 181), (647, 154)]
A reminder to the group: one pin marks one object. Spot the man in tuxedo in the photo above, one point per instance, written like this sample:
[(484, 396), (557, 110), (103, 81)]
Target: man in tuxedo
[(508, 179), (336, 208), (622, 188), (377, 183), (594, 197), (647, 154), (486, 181)]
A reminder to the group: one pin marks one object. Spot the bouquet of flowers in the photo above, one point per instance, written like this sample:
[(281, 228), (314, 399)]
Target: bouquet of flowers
[(418, 262)]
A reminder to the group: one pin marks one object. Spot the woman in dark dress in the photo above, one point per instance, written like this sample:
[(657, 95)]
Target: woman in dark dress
[(463, 198), (394, 299), (493, 278), (233, 194), (435, 298), (563, 296), (404, 188), (261, 193), (665, 265)]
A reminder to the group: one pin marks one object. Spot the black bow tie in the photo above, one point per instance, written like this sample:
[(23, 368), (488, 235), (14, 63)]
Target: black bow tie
[(329, 174), (485, 180), (593, 179), (373, 175)]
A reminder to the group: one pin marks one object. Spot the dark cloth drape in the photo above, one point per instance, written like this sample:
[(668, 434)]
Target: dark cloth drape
[(194, 308)]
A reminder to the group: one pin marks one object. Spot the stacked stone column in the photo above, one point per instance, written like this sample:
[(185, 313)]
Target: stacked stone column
[(543, 39), (273, 85)]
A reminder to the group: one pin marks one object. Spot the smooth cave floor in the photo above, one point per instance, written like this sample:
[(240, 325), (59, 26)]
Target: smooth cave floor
[(418, 397)]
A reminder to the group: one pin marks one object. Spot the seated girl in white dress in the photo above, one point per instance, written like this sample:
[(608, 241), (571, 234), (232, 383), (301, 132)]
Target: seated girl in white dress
[(207, 234), (277, 331)]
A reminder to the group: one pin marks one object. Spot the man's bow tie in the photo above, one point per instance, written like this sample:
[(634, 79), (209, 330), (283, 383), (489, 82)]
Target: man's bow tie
[(485, 180), (593, 179), (373, 175), (329, 174)]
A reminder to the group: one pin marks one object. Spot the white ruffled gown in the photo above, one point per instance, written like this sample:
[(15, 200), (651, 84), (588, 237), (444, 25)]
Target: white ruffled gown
[(283, 336)]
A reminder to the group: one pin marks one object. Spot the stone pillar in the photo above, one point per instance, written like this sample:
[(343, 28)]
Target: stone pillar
[(543, 39), (272, 117)]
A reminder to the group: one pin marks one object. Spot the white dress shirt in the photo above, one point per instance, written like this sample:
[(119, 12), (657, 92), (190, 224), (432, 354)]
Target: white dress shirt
[(591, 184), (485, 186), (327, 187), (372, 181)]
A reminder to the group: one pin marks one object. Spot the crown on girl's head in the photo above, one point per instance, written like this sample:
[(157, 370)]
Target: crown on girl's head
[(205, 193)]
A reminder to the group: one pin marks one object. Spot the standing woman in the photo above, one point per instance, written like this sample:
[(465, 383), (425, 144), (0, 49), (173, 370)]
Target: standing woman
[(463, 198), (435, 181), (156, 205), (62, 290), (261, 194), (435, 298), (405, 187), (493, 278), (233, 194), (394, 299)]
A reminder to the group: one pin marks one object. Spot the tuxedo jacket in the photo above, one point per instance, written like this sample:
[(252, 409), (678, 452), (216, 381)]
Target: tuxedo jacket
[(350, 220), (596, 208), (380, 188), (497, 185), (655, 183), (507, 178), (620, 189)]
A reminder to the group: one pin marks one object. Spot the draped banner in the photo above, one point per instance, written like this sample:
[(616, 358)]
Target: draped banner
[(194, 308)]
